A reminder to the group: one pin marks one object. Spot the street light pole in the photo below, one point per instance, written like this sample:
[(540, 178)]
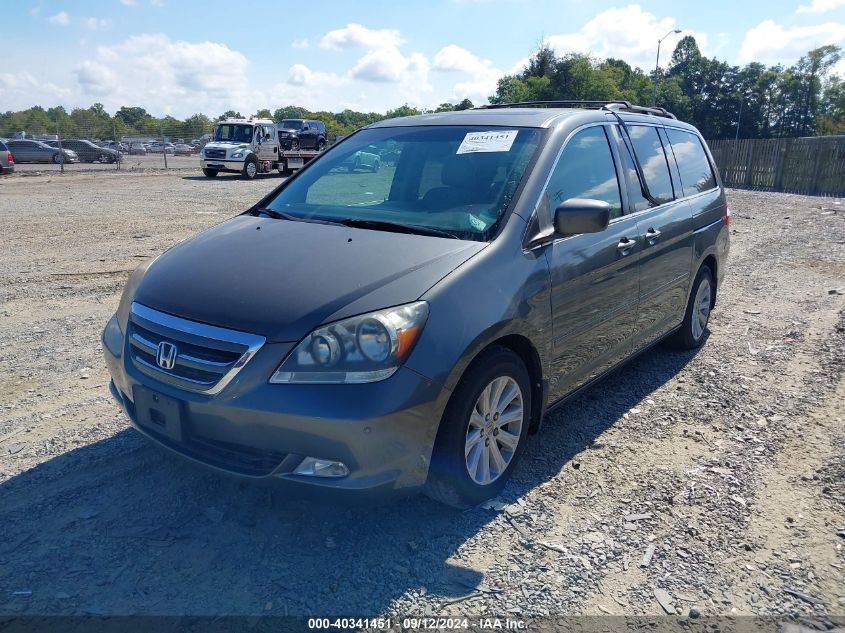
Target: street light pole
[(657, 65)]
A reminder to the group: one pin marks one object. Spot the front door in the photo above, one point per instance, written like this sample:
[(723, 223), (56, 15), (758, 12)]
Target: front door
[(594, 276), (266, 144)]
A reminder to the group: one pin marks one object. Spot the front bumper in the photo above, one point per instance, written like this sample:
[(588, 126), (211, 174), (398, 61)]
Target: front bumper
[(222, 164), (384, 432)]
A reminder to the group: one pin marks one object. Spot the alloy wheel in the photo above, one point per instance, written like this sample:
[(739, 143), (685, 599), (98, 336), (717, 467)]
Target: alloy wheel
[(701, 309), (495, 429)]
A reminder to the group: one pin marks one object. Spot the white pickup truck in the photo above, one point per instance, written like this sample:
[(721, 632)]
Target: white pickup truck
[(249, 147)]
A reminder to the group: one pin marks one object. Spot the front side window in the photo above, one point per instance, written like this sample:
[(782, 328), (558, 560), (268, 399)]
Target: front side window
[(696, 172), (655, 167), (585, 169), (454, 179)]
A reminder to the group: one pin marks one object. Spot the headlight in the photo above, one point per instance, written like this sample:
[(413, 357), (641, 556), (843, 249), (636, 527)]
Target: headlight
[(239, 154), (365, 348), (129, 291)]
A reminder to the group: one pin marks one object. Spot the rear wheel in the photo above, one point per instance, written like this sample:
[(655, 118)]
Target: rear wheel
[(693, 330), (482, 433), (211, 173), (250, 168)]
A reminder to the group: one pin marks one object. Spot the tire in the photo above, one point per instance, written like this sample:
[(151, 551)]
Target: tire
[(211, 173), (250, 169), (693, 330), (58, 158), (294, 145), (450, 480), (376, 166), (321, 145)]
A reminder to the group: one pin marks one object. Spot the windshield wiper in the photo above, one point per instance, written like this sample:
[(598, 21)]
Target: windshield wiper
[(396, 227), (281, 215)]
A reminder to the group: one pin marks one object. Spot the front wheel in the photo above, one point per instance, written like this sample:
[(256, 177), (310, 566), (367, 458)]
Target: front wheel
[(321, 145), (211, 173), (250, 168), (376, 166), (58, 158), (692, 331), (483, 430), (294, 145)]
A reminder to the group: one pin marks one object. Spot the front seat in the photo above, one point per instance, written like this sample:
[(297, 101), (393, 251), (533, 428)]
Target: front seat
[(467, 179)]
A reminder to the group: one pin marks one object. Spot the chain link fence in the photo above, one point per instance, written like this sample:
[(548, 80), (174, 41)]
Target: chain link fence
[(107, 145)]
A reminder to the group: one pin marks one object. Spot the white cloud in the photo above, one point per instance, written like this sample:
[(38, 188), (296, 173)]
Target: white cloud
[(482, 75), (357, 35), (821, 6), (301, 43), (627, 33), (98, 24), (772, 43), (174, 77), (60, 19)]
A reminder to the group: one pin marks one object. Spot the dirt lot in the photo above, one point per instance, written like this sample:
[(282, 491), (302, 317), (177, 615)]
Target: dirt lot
[(710, 481)]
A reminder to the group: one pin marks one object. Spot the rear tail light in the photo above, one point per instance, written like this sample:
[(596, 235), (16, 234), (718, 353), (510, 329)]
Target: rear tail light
[(727, 215), (10, 158)]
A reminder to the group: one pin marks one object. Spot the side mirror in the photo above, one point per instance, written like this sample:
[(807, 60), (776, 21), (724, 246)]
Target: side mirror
[(581, 215)]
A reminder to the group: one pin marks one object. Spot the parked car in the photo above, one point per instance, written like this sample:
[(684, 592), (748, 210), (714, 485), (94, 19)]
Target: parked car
[(157, 147), (512, 258), (363, 159), (296, 134), (180, 149), (137, 149), (7, 160), (87, 151), (27, 151)]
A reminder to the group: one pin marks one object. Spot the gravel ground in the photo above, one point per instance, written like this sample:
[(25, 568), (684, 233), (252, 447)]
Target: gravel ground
[(708, 481)]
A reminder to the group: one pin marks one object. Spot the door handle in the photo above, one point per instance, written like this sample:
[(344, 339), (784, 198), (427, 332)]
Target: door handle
[(651, 236), (625, 245)]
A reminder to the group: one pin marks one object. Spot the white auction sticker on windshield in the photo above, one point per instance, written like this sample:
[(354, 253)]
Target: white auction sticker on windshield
[(490, 141)]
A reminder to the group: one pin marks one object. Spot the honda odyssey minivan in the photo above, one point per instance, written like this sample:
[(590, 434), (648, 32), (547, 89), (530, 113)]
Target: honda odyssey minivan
[(405, 328)]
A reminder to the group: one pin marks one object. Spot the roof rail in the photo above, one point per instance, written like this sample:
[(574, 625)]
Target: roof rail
[(615, 104)]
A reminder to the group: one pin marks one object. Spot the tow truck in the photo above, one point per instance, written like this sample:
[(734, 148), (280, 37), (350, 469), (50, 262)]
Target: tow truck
[(249, 147)]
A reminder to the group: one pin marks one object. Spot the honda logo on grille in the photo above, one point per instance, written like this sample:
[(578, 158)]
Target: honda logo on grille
[(166, 355)]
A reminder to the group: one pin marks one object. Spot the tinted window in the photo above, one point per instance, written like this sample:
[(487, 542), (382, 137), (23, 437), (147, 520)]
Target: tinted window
[(585, 169), (649, 150), (3, 147), (696, 173)]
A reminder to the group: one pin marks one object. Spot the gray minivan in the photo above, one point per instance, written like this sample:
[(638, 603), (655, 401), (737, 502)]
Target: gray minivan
[(405, 328)]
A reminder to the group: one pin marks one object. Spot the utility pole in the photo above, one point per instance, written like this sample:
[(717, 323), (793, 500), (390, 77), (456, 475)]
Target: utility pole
[(657, 65)]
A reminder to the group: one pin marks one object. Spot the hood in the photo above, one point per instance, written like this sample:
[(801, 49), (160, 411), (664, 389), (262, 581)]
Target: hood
[(281, 278), (289, 130)]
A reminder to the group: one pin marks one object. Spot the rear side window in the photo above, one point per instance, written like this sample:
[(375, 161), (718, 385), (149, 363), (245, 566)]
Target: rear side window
[(649, 150), (696, 172), (3, 147), (585, 169)]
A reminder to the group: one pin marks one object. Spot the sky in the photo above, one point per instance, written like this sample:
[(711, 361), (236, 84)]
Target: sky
[(180, 57)]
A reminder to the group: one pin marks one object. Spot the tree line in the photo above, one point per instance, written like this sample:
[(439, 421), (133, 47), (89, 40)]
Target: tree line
[(721, 100)]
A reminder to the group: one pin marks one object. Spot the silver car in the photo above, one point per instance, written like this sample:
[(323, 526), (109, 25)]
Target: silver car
[(7, 160), (28, 151)]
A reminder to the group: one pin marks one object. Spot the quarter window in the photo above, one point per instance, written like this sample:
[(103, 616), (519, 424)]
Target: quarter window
[(655, 167), (696, 172), (585, 169)]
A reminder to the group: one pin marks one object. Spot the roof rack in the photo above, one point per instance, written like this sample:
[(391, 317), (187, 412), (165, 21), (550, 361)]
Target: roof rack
[(617, 104)]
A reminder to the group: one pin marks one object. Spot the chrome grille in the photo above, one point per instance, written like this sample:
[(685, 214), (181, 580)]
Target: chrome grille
[(207, 358), (215, 153)]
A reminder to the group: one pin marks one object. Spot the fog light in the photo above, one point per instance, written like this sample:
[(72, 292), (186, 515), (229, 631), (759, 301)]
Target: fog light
[(315, 467)]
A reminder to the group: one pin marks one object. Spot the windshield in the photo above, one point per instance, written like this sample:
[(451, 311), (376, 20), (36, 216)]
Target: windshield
[(456, 179), (291, 124), (233, 133)]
